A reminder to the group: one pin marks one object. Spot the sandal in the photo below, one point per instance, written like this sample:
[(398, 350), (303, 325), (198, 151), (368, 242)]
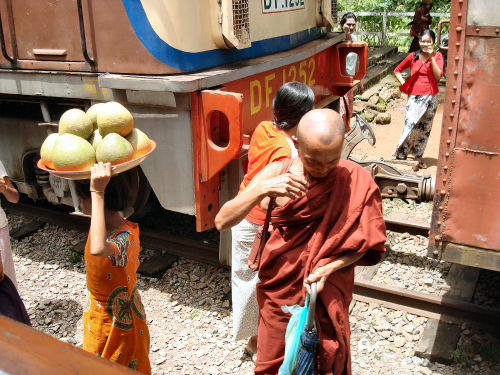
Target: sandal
[(252, 355)]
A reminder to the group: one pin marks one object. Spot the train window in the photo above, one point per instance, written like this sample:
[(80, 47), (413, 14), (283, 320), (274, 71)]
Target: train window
[(21, 110), (219, 129)]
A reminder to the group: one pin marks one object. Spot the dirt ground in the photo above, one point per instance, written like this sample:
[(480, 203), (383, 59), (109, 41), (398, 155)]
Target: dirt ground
[(387, 136)]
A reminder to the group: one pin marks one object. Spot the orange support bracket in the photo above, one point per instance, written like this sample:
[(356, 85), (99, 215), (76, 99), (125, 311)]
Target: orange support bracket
[(217, 126), (341, 81)]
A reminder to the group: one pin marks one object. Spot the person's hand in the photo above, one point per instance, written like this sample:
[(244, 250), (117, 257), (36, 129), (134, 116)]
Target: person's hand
[(3, 185), (347, 31), (285, 185), (100, 174), (319, 276), (427, 51)]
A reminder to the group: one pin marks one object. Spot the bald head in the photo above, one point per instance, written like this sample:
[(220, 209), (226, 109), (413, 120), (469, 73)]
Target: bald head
[(320, 125), (320, 136)]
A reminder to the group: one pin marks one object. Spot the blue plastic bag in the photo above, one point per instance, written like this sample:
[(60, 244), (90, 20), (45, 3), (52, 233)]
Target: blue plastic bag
[(293, 333)]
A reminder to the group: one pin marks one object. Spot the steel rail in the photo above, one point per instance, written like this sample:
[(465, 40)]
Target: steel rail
[(427, 305), (415, 228)]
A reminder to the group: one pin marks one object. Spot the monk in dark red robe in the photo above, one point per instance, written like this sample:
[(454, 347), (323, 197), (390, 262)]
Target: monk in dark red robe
[(328, 219)]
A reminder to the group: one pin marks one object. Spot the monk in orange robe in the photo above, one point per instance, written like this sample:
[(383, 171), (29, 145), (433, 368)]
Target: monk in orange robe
[(328, 219)]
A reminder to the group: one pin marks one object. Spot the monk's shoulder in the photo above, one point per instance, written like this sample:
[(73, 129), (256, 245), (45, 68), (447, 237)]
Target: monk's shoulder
[(355, 171)]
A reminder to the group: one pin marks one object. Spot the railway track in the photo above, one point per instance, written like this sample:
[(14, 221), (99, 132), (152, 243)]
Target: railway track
[(423, 304), (152, 240)]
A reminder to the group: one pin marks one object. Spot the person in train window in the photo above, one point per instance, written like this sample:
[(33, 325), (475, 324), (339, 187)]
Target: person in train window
[(271, 141), (421, 20), (422, 89), (348, 24), (114, 320), (11, 304)]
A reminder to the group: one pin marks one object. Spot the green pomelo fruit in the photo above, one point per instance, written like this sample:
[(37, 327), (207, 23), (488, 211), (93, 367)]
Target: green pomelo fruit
[(72, 153), (114, 118), (46, 150), (92, 113), (139, 141), (114, 149), (95, 139), (75, 121)]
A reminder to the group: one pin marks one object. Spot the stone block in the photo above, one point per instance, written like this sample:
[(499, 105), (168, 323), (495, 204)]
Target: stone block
[(379, 107), (385, 94), (396, 93), (438, 341), (373, 99), (368, 116), (383, 119)]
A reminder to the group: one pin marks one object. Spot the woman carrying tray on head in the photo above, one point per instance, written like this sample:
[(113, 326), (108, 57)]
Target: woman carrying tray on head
[(114, 321)]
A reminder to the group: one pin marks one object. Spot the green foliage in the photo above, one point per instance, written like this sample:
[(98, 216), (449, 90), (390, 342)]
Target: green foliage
[(462, 355), (395, 24), (194, 313), (75, 257)]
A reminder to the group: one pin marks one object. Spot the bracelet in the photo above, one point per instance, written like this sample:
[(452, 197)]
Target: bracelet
[(96, 191)]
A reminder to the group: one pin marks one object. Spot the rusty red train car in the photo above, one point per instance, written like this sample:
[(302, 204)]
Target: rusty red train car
[(466, 213)]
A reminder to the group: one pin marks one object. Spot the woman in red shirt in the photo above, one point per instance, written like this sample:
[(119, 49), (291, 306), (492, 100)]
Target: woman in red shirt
[(421, 88)]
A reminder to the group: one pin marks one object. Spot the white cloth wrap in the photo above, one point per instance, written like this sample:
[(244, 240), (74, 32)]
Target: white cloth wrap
[(244, 280)]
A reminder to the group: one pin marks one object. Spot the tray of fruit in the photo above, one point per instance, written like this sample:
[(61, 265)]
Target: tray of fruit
[(104, 133)]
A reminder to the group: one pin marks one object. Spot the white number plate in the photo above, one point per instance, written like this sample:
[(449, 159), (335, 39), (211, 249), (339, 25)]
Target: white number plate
[(59, 185), (271, 6)]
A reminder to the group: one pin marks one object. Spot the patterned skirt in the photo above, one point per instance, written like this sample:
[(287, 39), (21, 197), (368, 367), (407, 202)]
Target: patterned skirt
[(420, 112)]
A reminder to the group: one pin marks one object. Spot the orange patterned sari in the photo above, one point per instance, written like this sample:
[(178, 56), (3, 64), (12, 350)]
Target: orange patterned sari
[(114, 320)]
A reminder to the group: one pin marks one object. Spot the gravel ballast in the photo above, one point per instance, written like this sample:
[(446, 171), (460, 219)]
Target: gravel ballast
[(189, 311)]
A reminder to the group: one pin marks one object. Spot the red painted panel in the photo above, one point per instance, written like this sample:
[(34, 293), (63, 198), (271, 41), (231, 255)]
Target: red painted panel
[(479, 128), (322, 72), (472, 207)]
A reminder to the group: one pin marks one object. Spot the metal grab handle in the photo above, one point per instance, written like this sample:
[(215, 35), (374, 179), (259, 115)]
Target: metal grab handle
[(312, 307), (89, 59), (2, 42), (438, 37)]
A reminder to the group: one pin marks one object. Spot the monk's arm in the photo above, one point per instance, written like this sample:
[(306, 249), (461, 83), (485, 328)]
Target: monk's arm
[(321, 273), (268, 182)]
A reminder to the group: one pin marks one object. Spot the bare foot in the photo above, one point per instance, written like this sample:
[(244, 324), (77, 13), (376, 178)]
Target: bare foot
[(251, 348)]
